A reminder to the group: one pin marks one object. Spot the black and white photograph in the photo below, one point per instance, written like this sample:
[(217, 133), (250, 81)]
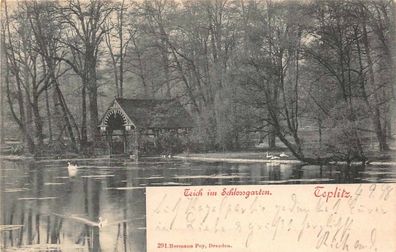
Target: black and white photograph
[(103, 99)]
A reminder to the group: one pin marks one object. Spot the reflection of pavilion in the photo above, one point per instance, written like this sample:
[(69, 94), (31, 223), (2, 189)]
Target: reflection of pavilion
[(127, 120)]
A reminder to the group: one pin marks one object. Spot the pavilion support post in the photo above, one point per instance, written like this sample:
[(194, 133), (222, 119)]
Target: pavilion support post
[(109, 142), (125, 140), (134, 144)]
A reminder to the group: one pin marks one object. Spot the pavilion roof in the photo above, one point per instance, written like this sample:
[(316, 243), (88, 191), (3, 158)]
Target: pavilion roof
[(156, 113)]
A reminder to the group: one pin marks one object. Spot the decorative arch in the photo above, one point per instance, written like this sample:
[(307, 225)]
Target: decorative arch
[(115, 112)]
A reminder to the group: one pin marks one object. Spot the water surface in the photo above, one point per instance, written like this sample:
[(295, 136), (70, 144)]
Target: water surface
[(44, 209)]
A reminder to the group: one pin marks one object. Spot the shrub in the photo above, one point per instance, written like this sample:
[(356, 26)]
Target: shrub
[(17, 149)]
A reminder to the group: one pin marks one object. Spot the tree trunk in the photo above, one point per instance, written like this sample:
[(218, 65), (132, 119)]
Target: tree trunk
[(93, 104), (70, 123), (59, 100), (271, 138), (165, 62), (121, 74), (21, 119), (29, 116), (84, 137), (48, 115), (2, 76), (93, 110), (57, 115), (375, 105), (38, 122)]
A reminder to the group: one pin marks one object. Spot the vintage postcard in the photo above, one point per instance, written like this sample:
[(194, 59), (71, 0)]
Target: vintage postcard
[(315, 217), (198, 125)]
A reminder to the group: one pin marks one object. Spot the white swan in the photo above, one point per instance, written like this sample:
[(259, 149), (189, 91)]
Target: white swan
[(72, 169), (274, 157), (269, 156), (283, 155)]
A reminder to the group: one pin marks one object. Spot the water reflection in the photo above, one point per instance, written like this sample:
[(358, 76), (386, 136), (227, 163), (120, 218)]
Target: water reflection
[(46, 210)]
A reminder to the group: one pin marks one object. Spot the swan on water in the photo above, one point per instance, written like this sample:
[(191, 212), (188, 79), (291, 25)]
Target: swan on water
[(72, 169), (283, 155), (274, 157)]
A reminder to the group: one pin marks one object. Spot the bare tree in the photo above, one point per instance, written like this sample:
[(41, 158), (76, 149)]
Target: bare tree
[(47, 32), (84, 31), (13, 70), (117, 39)]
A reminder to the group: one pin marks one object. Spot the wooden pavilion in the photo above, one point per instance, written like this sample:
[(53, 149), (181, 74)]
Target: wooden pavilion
[(126, 120)]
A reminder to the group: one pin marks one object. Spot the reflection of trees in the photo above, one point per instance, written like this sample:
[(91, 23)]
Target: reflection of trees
[(257, 172), (349, 174), (133, 198), (115, 181), (133, 212), (22, 229), (95, 214), (274, 172), (297, 173), (56, 228), (124, 230), (38, 183), (90, 234), (11, 221), (31, 234), (34, 222)]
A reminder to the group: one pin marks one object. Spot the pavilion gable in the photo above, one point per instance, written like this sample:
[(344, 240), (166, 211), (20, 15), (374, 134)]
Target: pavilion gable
[(115, 110)]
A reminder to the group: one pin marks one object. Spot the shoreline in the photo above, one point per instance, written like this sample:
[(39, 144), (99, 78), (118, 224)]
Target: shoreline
[(239, 160), (219, 158), (247, 158)]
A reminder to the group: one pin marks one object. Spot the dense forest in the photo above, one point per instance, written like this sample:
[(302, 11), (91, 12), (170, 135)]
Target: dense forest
[(315, 76)]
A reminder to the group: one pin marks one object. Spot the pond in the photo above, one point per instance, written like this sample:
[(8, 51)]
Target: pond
[(102, 207)]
